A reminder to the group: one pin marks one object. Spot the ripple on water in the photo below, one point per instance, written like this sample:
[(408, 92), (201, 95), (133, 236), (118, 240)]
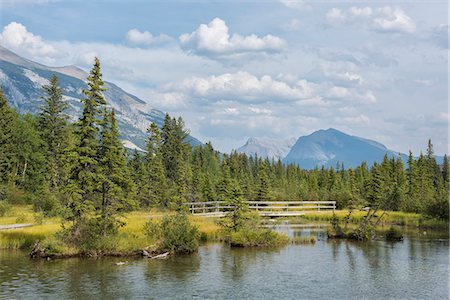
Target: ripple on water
[(414, 268)]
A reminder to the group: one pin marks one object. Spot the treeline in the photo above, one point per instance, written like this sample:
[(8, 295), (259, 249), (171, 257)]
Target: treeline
[(82, 172)]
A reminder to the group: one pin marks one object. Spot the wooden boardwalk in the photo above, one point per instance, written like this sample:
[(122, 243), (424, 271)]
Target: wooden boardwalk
[(14, 226), (264, 208)]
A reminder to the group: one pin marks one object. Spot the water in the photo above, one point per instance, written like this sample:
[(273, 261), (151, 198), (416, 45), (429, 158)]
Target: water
[(415, 268)]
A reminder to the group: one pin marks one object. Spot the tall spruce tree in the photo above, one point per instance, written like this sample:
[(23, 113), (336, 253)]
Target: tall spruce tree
[(116, 184), (54, 130), (264, 190), (9, 126), (84, 185), (155, 185)]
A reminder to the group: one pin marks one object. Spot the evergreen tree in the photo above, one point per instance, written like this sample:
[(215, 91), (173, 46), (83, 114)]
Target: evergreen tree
[(155, 186), (376, 192), (236, 200), (54, 130), (116, 184), (263, 191), (224, 187), (84, 185), (9, 126)]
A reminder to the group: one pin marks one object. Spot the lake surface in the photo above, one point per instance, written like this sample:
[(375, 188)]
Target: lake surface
[(416, 268)]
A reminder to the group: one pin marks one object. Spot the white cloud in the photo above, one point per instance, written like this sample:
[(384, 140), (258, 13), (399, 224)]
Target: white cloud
[(243, 86), (393, 20), (136, 37), (383, 19), (213, 39), (16, 37)]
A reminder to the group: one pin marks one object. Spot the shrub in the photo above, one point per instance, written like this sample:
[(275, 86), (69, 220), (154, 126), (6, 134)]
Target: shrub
[(175, 233), (92, 234), (257, 238), (394, 234)]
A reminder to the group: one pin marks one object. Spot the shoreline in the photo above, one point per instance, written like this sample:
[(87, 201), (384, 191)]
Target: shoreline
[(130, 241)]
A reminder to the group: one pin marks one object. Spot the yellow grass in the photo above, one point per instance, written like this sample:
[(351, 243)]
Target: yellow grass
[(131, 237)]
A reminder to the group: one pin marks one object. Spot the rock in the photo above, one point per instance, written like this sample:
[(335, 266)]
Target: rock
[(161, 256), (145, 253)]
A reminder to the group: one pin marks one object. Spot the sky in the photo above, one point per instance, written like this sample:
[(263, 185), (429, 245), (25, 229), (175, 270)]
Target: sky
[(273, 69)]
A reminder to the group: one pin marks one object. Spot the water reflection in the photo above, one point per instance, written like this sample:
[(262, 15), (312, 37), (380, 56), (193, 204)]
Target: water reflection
[(414, 268)]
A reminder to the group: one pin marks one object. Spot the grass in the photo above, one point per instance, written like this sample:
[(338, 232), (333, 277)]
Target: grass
[(257, 238), (390, 218), (131, 237)]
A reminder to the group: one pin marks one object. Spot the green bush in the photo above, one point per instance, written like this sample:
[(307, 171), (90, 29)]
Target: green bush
[(394, 234), (92, 234), (257, 238), (175, 234)]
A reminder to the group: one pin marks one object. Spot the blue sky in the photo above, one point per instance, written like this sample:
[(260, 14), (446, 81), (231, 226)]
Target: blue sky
[(276, 69)]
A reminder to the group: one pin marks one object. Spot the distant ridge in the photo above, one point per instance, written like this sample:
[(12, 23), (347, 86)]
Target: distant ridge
[(323, 148), (264, 147)]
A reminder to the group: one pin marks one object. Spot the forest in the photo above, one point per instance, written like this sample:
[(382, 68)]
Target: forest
[(81, 171)]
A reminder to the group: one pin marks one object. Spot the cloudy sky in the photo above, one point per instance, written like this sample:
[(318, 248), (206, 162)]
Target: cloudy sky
[(276, 69)]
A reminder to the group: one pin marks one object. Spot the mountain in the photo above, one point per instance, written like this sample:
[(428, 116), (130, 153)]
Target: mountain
[(264, 147), (22, 80), (331, 146)]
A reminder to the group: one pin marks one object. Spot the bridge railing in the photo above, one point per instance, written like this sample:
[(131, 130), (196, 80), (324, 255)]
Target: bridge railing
[(263, 207)]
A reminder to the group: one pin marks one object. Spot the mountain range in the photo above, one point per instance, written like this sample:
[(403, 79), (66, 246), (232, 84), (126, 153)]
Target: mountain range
[(22, 81), (322, 148)]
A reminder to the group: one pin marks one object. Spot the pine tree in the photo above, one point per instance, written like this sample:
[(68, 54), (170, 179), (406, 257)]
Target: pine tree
[(224, 188), (9, 126), (236, 200), (263, 191), (155, 186), (54, 130), (83, 187), (116, 184), (376, 192)]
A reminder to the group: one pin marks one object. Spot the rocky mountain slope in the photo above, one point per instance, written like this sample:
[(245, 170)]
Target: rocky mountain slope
[(22, 80)]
